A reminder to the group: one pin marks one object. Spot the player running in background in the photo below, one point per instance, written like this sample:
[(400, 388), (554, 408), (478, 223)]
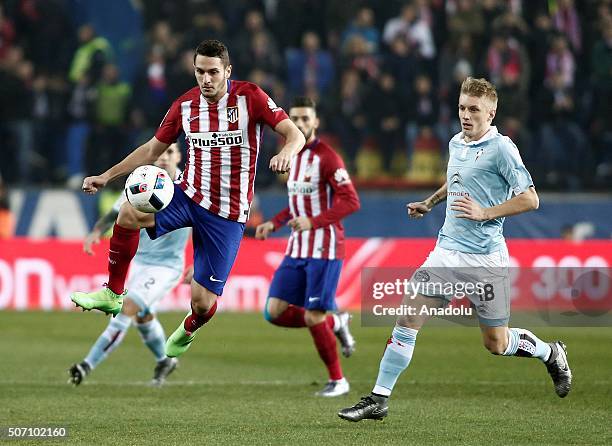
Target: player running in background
[(223, 123), (486, 181), (156, 270), (303, 289)]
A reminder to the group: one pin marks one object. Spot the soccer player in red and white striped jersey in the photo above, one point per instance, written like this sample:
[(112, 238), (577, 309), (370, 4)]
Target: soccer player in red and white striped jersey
[(303, 289), (223, 123)]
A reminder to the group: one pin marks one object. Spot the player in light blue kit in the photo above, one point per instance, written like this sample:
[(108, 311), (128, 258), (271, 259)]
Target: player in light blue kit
[(486, 182), (156, 270)]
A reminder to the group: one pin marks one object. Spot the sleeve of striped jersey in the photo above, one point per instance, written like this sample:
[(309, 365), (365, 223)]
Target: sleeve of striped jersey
[(170, 127), (268, 111), (345, 200), (281, 218), (511, 167)]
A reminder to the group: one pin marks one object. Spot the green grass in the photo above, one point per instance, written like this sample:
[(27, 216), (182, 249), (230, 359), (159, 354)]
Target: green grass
[(247, 382)]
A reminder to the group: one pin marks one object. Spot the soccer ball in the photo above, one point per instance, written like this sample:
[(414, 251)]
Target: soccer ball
[(149, 189)]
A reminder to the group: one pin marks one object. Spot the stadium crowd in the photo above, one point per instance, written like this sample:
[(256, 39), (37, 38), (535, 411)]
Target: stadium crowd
[(386, 77)]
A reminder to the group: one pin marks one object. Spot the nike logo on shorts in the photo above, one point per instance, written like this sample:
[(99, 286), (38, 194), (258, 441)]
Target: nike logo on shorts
[(313, 299), (212, 279)]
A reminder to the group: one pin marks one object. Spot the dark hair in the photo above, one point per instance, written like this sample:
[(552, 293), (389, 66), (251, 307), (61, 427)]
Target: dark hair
[(213, 48), (304, 101)]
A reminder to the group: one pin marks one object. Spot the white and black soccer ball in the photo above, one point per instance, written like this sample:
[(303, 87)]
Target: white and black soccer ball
[(149, 189)]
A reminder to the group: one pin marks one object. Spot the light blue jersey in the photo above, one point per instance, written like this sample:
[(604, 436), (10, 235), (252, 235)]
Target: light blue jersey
[(490, 171), (167, 250)]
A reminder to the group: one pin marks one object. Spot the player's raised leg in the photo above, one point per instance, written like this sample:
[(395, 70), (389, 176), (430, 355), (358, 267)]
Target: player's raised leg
[(396, 358), (523, 343), (216, 242), (203, 308), (123, 247)]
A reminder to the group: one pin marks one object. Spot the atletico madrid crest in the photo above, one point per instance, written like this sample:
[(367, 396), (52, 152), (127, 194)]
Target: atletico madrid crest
[(232, 114)]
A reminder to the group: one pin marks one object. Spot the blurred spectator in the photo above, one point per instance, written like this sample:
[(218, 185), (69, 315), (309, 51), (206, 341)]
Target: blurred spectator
[(181, 76), (425, 161), (16, 77), (7, 34), (601, 60), (7, 221), (161, 37), (466, 19), (93, 52), (151, 97), (491, 9), (387, 117), (108, 141), (457, 61), (506, 54), (77, 134), (254, 24), (261, 54), (560, 62), (350, 115), (46, 33), (415, 31), (566, 20), (562, 142), (402, 63), (512, 101), (309, 66), (422, 111), (357, 55), (363, 26), (511, 24), (205, 25), (49, 113), (539, 43)]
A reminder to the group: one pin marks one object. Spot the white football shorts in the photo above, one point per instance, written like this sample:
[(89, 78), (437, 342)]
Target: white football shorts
[(446, 273), (148, 284)]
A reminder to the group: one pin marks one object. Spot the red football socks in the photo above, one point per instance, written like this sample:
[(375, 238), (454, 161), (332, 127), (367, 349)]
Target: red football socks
[(195, 321), (123, 246), (325, 341)]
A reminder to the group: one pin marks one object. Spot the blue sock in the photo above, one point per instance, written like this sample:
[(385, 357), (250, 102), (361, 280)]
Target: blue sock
[(522, 342), (395, 360), (108, 341), (152, 334)]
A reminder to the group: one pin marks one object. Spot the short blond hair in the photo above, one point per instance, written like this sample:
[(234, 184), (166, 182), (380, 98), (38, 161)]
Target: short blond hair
[(479, 88)]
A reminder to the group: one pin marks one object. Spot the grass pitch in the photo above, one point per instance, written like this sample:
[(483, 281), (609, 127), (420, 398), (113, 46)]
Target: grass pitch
[(247, 382)]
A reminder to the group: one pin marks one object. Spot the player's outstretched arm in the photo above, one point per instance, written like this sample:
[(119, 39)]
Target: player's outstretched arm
[(523, 202), (420, 208), (294, 142), (145, 154)]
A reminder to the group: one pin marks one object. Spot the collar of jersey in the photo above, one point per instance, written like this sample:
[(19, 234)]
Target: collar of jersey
[(492, 133), (312, 144)]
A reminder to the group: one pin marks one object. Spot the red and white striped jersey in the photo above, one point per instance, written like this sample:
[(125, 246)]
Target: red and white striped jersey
[(223, 140), (319, 188)]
